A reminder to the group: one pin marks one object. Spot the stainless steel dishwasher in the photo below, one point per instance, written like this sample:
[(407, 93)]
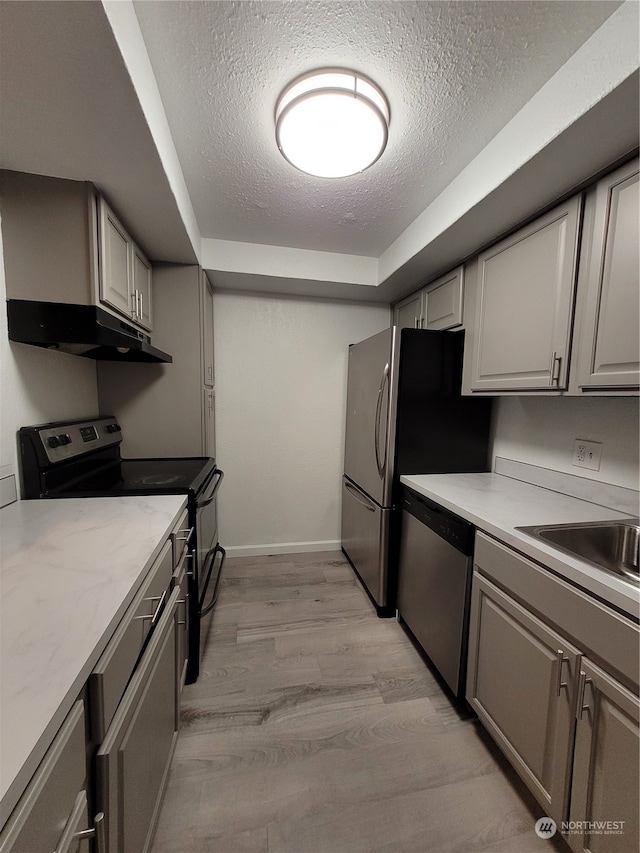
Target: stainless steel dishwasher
[(434, 583)]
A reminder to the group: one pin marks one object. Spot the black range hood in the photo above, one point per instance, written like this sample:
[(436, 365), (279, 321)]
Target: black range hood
[(84, 330)]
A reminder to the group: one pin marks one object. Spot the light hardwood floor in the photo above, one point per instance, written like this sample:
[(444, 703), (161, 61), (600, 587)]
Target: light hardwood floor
[(316, 727)]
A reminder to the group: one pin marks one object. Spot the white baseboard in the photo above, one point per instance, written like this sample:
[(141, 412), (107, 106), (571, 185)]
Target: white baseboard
[(281, 548)]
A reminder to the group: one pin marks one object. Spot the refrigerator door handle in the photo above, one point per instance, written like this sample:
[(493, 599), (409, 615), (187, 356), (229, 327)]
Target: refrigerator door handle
[(357, 494), (381, 465)]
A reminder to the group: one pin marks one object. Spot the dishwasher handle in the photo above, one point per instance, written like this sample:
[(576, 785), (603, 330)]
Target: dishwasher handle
[(457, 531)]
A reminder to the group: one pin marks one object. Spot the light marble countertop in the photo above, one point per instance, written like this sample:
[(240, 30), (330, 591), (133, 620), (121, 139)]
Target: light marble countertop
[(68, 571), (498, 504)]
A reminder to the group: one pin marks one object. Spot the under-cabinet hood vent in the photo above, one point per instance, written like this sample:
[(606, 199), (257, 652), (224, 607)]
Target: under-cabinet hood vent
[(84, 330)]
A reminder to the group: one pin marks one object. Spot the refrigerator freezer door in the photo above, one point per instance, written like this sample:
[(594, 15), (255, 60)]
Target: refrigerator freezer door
[(365, 534), (370, 430)]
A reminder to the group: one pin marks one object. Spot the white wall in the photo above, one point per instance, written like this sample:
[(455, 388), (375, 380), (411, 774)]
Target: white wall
[(37, 386), (541, 431), (281, 367)]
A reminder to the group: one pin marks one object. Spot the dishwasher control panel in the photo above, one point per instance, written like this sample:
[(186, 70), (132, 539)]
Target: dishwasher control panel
[(450, 527)]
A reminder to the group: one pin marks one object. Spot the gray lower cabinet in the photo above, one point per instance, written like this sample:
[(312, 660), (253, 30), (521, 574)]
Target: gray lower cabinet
[(521, 684), (605, 769), (182, 556), (182, 626), (111, 674), (99, 787), (52, 814), (553, 676), (608, 352), (134, 701), (133, 761)]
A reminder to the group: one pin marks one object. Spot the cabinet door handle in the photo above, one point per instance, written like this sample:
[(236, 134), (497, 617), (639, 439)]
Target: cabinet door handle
[(582, 683), (141, 304), (97, 832), (184, 601), (556, 362), (182, 536), (559, 682), (154, 616)]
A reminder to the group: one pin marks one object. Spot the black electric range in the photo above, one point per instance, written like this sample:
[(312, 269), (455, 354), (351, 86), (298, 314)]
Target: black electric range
[(81, 459)]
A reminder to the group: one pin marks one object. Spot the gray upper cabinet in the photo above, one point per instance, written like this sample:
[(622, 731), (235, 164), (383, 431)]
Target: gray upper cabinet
[(436, 306), (608, 305), (206, 321), (115, 256), (63, 243), (443, 297), (141, 275), (168, 410), (524, 305), (209, 422), (125, 273), (408, 312)]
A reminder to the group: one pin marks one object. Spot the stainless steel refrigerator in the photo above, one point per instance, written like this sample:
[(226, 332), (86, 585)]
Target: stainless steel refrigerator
[(405, 415)]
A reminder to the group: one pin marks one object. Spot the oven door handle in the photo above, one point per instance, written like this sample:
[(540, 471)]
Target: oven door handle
[(218, 549), (220, 475)]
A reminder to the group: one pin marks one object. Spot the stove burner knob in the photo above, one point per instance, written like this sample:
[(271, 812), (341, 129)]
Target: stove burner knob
[(53, 441), (64, 438), (113, 428)]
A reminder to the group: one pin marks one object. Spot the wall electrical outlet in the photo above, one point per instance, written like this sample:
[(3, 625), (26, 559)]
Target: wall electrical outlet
[(587, 454)]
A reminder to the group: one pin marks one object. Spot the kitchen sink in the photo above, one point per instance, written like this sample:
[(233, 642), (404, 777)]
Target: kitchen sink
[(610, 545)]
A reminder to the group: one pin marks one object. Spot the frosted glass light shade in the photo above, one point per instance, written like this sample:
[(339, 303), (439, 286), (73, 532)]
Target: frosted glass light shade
[(332, 123)]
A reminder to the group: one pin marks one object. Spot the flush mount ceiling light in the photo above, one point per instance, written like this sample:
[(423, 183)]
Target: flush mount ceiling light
[(332, 123)]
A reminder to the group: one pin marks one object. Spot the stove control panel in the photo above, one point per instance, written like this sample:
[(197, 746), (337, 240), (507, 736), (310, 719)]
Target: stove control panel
[(59, 440), (66, 441)]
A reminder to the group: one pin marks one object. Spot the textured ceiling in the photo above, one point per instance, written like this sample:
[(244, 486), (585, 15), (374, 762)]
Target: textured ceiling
[(454, 72)]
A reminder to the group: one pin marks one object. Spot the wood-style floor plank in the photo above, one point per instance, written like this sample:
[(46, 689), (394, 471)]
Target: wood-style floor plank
[(316, 727)]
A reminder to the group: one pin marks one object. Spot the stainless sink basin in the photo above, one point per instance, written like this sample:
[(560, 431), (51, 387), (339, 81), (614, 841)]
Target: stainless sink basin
[(610, 545)]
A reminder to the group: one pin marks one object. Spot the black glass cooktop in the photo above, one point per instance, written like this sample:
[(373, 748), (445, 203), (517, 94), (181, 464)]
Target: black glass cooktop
[(140, 477)]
